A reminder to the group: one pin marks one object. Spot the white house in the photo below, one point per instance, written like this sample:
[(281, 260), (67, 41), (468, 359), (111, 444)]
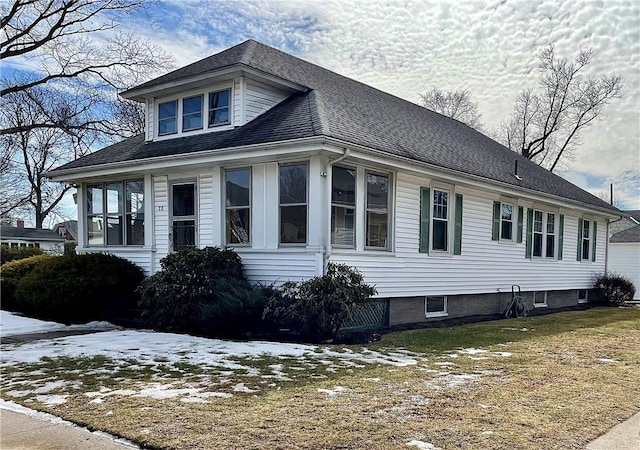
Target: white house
[(624, 256), (19, 236), (295, 166)]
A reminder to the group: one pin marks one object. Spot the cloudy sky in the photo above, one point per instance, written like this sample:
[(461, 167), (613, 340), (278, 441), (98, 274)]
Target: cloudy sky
[(405, 47)]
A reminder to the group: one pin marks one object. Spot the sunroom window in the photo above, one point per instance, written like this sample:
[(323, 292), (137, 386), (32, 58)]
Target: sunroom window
[(293, 203), (343, 206), (115, 213), (238, 206)]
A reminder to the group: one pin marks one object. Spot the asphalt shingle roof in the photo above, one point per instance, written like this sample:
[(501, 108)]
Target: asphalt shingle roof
[(32, 234), (628, 235), (342, 108)]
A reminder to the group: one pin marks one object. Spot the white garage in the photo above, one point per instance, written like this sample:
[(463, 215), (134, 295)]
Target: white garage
[(624, 256)]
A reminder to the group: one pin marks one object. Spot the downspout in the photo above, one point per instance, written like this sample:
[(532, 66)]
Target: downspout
[(327, 247)]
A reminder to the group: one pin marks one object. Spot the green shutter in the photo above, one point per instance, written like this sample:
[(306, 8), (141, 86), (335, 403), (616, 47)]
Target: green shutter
[(457, 233), (595, 238), (495, 232), (520, 218), (424, 219), (529, 232), (579, 254), (560, 236)]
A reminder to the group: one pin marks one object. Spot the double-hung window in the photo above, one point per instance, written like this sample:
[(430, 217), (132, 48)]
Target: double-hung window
[(167, 114), (115, 213), (293, 203), (538, 233), (586, 241), (550, 251), (377, 211), (343, 206), (440, 221), (506, 221), (544, 234), (238, 206), (192, 113), (219, 108)]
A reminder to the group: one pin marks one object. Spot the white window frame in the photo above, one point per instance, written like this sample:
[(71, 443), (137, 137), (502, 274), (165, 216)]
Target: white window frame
[(536, 296), (193, 217), (227, 208), (389, 209), (183, 115), (514, 223), (544, 233), (340, 205), (180, 98), (450, 219), (443, 313), (306, 204), (209, 110), (586, 296), (587, 239)]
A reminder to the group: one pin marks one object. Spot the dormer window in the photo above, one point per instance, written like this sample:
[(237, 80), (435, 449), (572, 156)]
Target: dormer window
[(219, 108), (192, 113), (167, 113)]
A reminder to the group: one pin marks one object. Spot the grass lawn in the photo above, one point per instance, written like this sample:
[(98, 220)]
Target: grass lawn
[(555, 381)]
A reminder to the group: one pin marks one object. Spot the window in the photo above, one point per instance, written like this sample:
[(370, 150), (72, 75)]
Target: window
[(537, 233), (238, 206), (23, 244), (586, 225), (219, 108), (183, 215), (583, 296), (540, 299), (293, 204), (167, 113), (14, 245), (440, 239), (435, 306), (544, 234), (343, 206), (192, 113), (377, 211), (115, 213), (506, 222)]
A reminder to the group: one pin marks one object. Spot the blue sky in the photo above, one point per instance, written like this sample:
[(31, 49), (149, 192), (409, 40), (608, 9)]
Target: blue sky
[(405, 47)]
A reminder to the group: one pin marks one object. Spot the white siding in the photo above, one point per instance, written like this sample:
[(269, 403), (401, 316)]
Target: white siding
[(485, 266), (259, 98), (624, 259), (279, 266), (150, 117), (161, 218), (206, 214), (238, 95)]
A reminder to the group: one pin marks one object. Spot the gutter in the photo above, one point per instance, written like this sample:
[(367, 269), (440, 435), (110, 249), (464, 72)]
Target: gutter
[(328, 177)]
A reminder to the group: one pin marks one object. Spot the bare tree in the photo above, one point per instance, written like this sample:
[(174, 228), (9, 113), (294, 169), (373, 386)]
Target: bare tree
[(67, 103), (455, 104), (546, 124)]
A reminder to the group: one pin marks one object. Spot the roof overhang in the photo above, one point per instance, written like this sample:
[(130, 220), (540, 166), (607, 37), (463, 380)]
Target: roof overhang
[(140, 94)]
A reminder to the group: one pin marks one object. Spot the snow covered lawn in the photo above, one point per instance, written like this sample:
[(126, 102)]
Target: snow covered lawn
[(16, 325), (510, 383)]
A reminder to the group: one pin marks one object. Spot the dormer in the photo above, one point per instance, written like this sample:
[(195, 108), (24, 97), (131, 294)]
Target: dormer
[(211, 95)]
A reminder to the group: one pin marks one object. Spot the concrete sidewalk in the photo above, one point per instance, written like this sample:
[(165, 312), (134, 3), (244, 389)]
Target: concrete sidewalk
[(20, 431), (624, 436)]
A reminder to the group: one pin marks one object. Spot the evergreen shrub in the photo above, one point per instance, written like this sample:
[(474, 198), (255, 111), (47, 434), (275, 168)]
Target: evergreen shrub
[(614, 290), (12, 272)]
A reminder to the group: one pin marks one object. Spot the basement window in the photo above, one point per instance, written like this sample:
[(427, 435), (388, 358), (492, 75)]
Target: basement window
[(435, 306)]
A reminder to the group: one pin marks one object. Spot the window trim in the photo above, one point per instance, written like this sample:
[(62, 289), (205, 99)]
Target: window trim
[(306, 204), (586, 296), (105, 215), (179, 99), (193, 217), (514, 212), (544, 303), (556, 233), (228, 208), (443, 313), (449, 189), (354, 208), (183, 115), (230, 118), (588, 239), (388, 175)]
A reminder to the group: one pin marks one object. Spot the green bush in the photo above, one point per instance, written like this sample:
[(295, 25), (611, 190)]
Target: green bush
[(77, 288), (12, 272), (320, 306), (614, 290), (13, 253), (202, 291)]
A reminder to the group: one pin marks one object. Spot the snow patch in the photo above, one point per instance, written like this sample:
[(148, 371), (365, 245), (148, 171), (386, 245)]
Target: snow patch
[(334, 391), (421, 445)]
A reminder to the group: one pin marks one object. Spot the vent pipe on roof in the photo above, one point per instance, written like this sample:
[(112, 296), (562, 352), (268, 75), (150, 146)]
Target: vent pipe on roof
[(611, 195), (515, 172)]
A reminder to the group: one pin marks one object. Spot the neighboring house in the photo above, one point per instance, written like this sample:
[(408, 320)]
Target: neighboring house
[(68, 230), (631, 219), (47, 240), (296, 166), (624, 256)]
